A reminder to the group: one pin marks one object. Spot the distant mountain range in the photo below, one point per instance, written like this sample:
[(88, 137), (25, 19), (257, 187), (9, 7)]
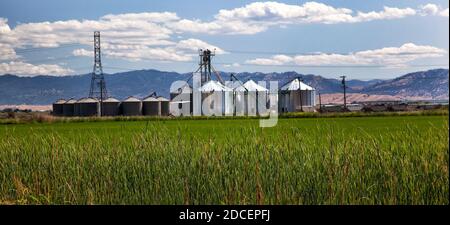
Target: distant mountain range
[(41, 90)]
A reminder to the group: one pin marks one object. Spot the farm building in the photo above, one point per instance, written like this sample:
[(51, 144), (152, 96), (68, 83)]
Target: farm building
[(253, 97), (181, 100), (217, 99), (296, 96), (132, 107), (110, 107), (58, 107), (68, 107)]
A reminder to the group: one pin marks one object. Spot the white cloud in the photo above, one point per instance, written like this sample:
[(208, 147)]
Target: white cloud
[(152, 35), (7, 52), (26, 69), (232, 65), (389, 56), (184, 50), (83, 52), (429, 9), (433, 9), (444, 12), (195, 44), (387, 13)]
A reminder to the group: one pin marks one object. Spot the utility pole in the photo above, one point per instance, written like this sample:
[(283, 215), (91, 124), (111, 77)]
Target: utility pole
[(345, 96), (98, 86), (320, 103), (300, 80)]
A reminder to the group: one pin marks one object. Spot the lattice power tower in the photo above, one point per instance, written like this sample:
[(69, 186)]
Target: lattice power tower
[(98, 85)]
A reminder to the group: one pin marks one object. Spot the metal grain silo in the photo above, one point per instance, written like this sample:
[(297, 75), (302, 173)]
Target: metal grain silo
[(68, 107), (88, 107), (131, 107), (76, 108), (164, 102), (296, 96), (58, 107), (255, 98), (151, 106), (110, 107), (181, 103), (216, 98)]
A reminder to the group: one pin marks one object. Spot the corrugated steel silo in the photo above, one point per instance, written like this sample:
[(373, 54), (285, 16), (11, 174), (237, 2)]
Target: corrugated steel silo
[(58, 107), (110, 107), (68, 107), (181, 103), (76, 107), (151, 107), (164, 103), (88, 107), (131, 107)]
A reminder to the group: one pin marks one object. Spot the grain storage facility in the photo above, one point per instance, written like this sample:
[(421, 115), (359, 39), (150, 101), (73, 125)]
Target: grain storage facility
[(88, 107), (110, 107), (217, 98), (76, 107), (68, 107), (181, 103), (151, 106), (253, 94), (164, 103), (239, 103), (131, 107), (58, 107), (295, 96)]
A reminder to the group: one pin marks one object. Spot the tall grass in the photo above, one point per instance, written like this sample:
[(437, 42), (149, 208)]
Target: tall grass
[(27, 118), (249, 165)]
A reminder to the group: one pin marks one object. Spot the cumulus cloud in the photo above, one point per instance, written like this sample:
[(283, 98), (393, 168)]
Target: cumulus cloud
[(7, 52), (26, 69), (389, 56), (152, 35), (433, 9), (184, 50), (83, 52), (232, 65)]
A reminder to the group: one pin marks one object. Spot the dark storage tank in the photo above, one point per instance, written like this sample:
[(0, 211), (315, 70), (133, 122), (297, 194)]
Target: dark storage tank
[(89, 107), (68, 107), (76, 107), (151, 107), (164, 102), (110, 107), (58, 107), (131, 107)]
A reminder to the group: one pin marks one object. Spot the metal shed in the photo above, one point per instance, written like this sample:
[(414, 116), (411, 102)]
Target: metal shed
[(110, 107), (131, 107), (151, 106), (164, 104), (68, 107), (88, 107), (58, 107), (296, 95)]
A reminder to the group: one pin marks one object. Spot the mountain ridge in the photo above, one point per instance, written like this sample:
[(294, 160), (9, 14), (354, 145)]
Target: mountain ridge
[(44, 89)]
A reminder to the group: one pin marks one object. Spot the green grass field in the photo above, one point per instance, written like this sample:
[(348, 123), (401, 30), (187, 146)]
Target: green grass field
[(352, 160)]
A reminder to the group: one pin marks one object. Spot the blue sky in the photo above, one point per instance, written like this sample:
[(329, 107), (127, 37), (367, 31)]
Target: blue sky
[(360, 39)]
